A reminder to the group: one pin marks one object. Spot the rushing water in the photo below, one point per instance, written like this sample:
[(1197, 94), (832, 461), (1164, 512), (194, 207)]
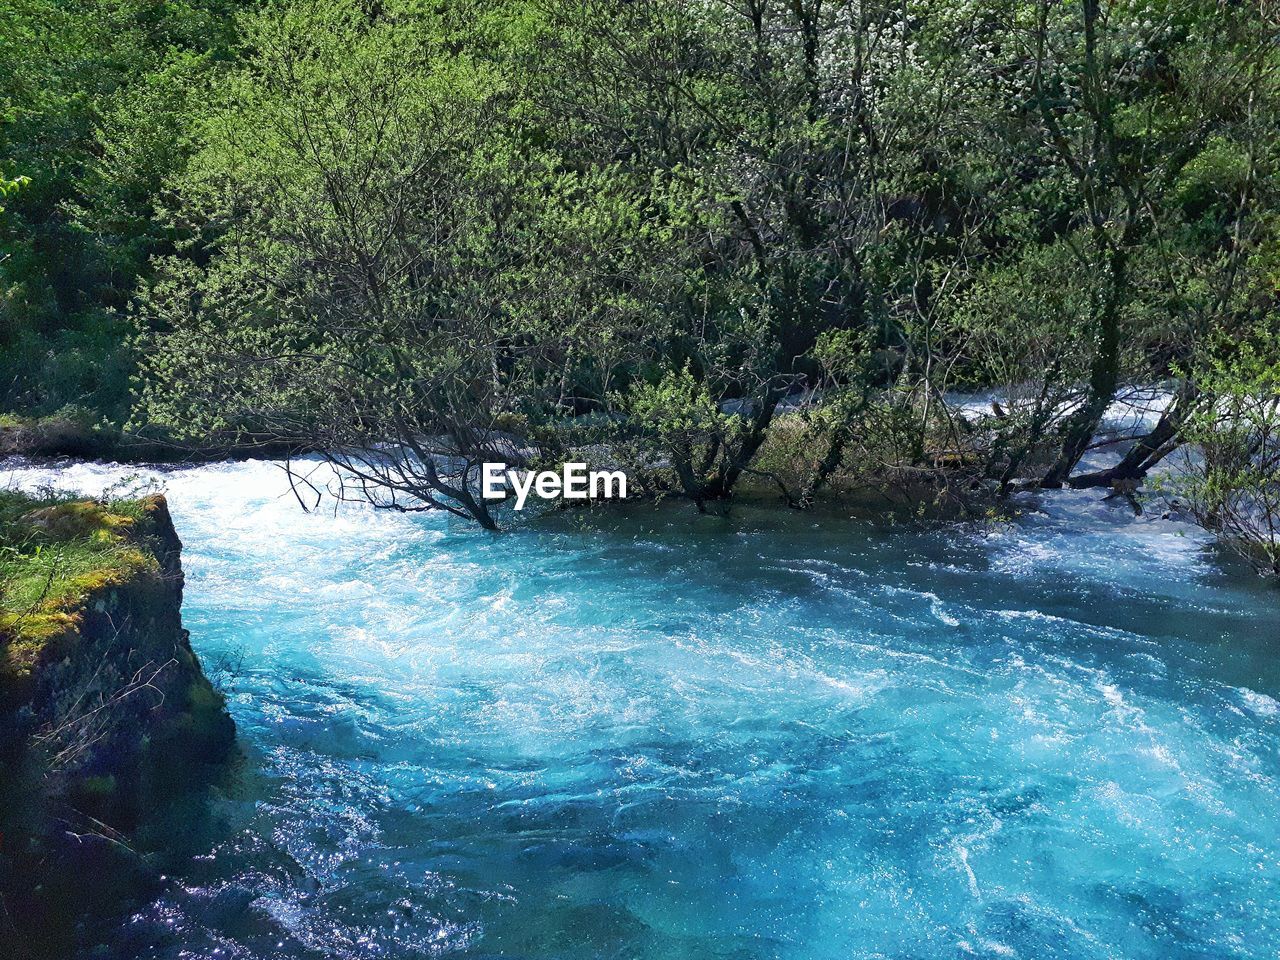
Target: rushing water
[(773, 735)]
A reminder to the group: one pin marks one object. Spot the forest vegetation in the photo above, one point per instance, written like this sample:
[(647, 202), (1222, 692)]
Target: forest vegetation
[(718, 242)]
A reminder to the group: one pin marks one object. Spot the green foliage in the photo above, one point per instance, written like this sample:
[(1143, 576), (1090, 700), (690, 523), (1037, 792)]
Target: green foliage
[(707, 232), (8, 187), (54, 551), (1233, 481), (92, 121)]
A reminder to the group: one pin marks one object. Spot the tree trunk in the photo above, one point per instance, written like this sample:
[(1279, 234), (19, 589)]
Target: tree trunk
[(1104, 373), (733, 464), (828, 465), (1151, 449)]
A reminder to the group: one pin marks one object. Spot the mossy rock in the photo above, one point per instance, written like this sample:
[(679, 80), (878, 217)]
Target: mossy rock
[(56, 556)]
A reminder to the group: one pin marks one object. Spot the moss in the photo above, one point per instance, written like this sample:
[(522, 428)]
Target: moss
[(54, 554), (207, 710), (98, 786)]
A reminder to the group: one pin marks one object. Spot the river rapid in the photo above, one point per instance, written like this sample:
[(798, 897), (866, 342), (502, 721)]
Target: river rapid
[(658, 735)]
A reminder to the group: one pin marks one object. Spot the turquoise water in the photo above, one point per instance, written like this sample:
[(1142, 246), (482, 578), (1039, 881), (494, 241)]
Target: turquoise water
[(771, 735)]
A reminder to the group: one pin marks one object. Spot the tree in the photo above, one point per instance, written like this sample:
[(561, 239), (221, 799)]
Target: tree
[(75, 79), (1123, 98), (1232, 480), (777, 144), (344, 307)]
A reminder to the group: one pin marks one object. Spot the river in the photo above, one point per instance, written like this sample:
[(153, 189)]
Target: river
[(663, 735)]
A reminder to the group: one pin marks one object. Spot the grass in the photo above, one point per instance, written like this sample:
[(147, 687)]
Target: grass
[(55, 551)]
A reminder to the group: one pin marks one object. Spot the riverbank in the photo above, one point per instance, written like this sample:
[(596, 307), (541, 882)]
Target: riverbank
[(74, 434), (106, 718), (947, 485)]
